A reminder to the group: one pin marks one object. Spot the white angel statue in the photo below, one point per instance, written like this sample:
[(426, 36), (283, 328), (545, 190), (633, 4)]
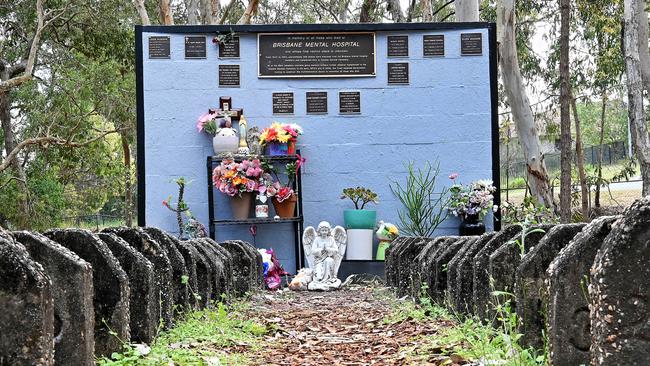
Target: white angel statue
[(324, 249)]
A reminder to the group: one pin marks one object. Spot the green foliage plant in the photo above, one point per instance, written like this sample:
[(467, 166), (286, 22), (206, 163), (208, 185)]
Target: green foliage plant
[(423, 209), (360, 196)]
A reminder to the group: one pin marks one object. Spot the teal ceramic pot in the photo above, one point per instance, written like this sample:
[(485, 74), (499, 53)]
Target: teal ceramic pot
[(360, 219)]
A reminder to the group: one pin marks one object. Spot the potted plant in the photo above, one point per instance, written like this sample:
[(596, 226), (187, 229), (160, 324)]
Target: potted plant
[(360, 218), (239, 181), (224, 137), (471, 203), (284, 198), (279, 138)]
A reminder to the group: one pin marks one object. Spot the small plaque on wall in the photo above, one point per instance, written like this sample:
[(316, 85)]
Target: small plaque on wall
[(433, 45), (471, 44), (398, 46), (283, 103), (230, 48), (159, 47), (398, 73), (350, 102), (195, 47), (316, 102), (229, 76)]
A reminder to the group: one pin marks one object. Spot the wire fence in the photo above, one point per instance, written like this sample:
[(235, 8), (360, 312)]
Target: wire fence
[(612, 154)]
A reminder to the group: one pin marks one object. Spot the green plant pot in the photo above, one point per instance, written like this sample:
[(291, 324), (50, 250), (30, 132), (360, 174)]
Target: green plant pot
[(360, 219)]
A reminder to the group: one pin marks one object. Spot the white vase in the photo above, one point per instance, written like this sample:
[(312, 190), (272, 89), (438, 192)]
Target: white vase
[(359, 244), (225, 143)]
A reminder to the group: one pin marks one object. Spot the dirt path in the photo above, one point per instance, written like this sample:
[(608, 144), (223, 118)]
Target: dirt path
[(346, 327)]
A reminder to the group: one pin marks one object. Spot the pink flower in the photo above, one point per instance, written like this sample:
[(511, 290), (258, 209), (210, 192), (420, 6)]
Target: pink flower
[(165, 203), (204, 118), (251, 185), (453, 176)]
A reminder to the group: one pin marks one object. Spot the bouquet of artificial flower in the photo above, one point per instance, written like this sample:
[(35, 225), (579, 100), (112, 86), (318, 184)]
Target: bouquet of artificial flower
[(279, 132), (232, 178), (209, 123), (475, 199)]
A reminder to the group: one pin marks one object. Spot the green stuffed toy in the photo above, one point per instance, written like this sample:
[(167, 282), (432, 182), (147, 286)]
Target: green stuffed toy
[(386, 234)]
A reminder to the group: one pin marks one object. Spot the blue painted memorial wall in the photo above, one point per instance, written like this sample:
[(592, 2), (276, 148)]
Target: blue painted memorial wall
[(445, 113)]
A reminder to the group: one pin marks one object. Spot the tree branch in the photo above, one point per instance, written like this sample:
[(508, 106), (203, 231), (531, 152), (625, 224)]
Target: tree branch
[(251, 10), (142, 12)]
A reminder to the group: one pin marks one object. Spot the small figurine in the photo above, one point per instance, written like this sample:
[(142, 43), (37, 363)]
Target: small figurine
[(253, 139), (386, 233), (324, 250), (243, 130), (301, 281)]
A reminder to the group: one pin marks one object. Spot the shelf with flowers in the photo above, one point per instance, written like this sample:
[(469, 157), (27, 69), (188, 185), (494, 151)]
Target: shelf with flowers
[(257, 177), (280, 138), (471, 203)]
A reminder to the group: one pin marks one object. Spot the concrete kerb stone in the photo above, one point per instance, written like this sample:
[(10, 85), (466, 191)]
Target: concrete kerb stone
[(27, 311), (530, 288), (216, 268), (392, 257), (225, 256), (110, 287), (440, 267), (408, 271), (199, 273), (246, 264), (423, 279), (452, 275), (74, 317), (205, 279), (144, 306), (568, 324), (465, 274), (145, 244)]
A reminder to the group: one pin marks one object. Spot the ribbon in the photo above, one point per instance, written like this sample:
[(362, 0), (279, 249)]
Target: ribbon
[(299, 162)]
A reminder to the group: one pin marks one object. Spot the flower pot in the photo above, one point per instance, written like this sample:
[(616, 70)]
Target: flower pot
[(360, 219), (359, 244), (286, 208), (241, 206), (276, 149), (225, 143), (471, 225), (291, 146), (381, 250)]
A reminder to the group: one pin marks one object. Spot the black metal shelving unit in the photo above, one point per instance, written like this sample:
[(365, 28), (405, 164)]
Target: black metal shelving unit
[(297, 221)]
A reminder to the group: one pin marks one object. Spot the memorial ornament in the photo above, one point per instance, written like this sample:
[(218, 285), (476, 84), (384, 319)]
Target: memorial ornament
[(324, 250)]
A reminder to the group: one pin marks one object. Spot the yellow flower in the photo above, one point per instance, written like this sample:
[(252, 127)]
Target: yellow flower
[(237, 181), (284, 137), (264, 135), (393, 230)]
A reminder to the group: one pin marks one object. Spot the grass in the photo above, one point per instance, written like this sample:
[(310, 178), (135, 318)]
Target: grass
[(201, 338), (468, 338)]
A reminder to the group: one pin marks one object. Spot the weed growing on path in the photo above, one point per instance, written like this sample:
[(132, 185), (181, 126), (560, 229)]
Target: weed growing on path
[(198, 339)]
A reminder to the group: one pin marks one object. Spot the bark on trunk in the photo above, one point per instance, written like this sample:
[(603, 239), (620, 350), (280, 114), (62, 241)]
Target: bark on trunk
[(635, 90), (166, 16), (644, 53), (367, 11), (210, 10), (395, 10), (193, 13), (601, 141), (427, 11), (522, 113), (251, 10), (126, 152), (565, 115), (467, 10), (142, 12), (580, 162)]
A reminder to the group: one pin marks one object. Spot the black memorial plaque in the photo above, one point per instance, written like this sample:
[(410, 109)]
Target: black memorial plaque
[(229, 76), (195, 47), (159, 47), (304, 55), (229, 49), (350, 102), (398, 46), (316, 102), (433, 45), (471, 44), (283, 103), (398, 73)]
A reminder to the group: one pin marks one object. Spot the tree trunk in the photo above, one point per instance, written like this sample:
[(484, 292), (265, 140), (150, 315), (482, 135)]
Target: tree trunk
[(142, 12), (427, 11), (522, 113), (126, 152), (601, 141), (251, 10), (467, 10), (644, 53), (580, 162), (565, 115), (395, 10), (193, 13), (635, 90), (367, 11), (166, 16), (343, 11)]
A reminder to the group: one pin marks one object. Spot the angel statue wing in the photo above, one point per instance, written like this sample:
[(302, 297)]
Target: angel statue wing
[(308, 238), (341, 239)]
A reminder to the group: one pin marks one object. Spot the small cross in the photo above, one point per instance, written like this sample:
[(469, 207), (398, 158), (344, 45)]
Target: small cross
[(226, 111)]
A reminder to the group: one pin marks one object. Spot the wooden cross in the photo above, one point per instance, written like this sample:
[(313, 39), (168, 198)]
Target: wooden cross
[(226, 111)]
